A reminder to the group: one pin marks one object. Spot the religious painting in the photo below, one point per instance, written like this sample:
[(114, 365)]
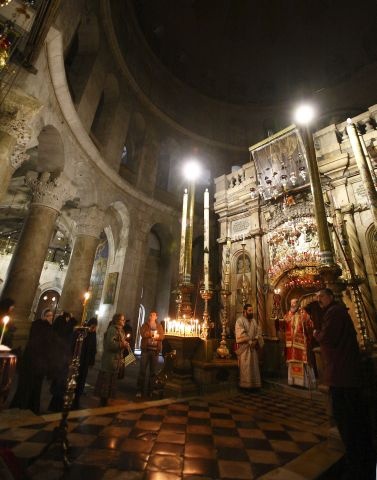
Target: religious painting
[(111, 286), (280, 163)]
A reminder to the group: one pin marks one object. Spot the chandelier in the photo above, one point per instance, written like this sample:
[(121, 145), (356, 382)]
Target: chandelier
[(280, 165)]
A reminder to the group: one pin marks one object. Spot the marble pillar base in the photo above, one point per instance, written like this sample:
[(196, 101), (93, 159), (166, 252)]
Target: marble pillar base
[(273, 361), (181, 383), (8, 363), (217, 375)]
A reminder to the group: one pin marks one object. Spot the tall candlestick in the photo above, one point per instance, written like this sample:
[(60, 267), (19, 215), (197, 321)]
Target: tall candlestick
[(86, 298), (206, 239), (189, 233), (183, 235), (5, 322)]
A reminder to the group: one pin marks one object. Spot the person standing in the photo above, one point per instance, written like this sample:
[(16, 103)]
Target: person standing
[(297, 324), (152, 335), (114, 343), (342, 364), (35, 364), (62, 328), (249, 341)]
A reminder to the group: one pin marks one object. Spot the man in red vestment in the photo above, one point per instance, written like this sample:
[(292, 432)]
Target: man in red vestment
[(297, 323)]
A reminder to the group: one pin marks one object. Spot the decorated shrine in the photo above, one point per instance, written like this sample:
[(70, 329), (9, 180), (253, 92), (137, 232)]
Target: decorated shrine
[(274, 242)]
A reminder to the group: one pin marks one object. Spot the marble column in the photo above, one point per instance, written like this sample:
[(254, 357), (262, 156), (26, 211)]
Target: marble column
[(88, 229), (365, 174), (359, 268), (261, 302), (27, 261)]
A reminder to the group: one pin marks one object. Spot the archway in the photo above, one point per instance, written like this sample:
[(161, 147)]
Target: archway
[(48, 299)]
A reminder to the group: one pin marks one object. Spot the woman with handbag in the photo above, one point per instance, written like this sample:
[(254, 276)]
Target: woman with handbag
[(114, 343)]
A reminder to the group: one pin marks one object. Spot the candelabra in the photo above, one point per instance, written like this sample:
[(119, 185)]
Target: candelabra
[(206, 294), (59, 438), (277, 314), (245, 288), (223, 351)]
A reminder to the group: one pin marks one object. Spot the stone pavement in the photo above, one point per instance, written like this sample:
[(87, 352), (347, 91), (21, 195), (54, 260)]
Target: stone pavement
[(278, 433)]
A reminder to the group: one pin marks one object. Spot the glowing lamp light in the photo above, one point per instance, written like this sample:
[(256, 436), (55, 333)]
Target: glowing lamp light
[(5, 323), (192, 170), (304, 114), (86, 296)]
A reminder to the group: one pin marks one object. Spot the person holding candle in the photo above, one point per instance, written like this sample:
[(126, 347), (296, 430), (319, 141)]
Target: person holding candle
[(7, 306), (114, 343), (35, 364), (152, 335), (249, 340)]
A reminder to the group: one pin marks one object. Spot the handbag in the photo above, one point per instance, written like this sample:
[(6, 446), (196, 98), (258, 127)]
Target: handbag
[(129, 359)]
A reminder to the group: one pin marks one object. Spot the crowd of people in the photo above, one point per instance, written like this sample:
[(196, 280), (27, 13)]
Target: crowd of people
[(324, 322)]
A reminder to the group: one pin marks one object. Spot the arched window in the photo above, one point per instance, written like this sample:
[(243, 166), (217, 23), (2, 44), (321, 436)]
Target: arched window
[(371, 237)]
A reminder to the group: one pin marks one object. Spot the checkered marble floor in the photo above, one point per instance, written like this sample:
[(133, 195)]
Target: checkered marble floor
[(284, 407), (235, 438)]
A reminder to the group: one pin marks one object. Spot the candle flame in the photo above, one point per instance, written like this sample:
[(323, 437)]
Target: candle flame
[(6, 319), (86, 296)]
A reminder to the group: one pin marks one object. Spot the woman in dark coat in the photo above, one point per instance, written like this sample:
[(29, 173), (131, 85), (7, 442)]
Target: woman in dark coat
[(35, 364), (114, 342), (62, 328)]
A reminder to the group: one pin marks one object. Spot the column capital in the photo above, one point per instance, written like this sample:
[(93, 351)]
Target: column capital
[(90, 221), (47, 191)]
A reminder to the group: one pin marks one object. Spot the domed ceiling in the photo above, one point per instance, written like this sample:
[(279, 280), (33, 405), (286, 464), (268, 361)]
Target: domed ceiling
[(249, 52)]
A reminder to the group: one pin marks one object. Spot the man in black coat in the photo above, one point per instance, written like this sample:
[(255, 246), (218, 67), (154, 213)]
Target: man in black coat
[(35, 364), (341, 355)]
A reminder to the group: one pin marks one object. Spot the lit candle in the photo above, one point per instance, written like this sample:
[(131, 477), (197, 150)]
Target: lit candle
[(183, 234), (206, 240), (86, 298), (5, 322)]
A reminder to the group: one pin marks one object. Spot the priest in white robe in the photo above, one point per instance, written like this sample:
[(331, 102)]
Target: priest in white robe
[(249, 341)]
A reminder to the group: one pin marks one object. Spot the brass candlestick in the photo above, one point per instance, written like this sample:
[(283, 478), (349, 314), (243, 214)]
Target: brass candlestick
[(244, 289), (206, 296), (223, 351), (60, 433)]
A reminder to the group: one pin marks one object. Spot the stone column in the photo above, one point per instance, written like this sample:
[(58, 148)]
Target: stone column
[(88, 229), (363, 167), (359, 268), (261, 303), (27, 262)]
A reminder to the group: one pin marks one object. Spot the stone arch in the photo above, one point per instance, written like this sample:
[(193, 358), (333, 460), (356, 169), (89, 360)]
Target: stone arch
[(158, 270), (116, 229), (81, 54), (85, 183), (371, 238), (104, 115)]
